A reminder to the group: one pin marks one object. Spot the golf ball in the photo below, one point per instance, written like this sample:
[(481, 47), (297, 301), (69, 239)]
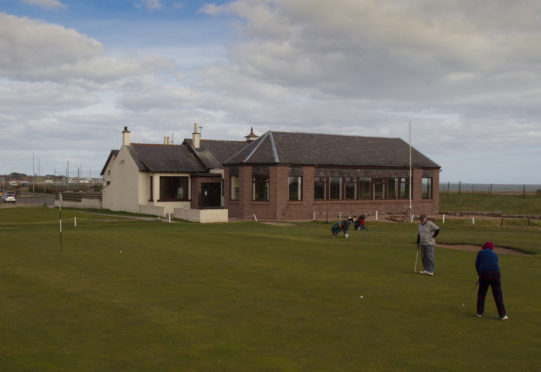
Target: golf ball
[(120, 251), (361, 296), (463, 305)]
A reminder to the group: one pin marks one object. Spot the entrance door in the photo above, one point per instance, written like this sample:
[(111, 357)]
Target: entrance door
[(210, 195)]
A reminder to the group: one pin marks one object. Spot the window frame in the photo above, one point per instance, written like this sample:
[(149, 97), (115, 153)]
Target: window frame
[(299, 188)]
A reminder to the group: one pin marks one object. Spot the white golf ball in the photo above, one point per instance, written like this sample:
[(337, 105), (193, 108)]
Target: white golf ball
[(120, 251), (361, 296), (463, 305)]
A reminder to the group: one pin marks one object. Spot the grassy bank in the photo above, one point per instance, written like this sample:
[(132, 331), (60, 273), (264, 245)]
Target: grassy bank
[(144, 295), (507, 204)]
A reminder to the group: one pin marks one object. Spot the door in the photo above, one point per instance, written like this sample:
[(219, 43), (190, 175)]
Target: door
[(210, 195)]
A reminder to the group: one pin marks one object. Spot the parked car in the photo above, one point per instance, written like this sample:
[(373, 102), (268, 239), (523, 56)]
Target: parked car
[(9, 197)]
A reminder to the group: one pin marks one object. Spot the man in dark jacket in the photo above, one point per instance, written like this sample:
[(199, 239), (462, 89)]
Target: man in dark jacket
[(488, 270)]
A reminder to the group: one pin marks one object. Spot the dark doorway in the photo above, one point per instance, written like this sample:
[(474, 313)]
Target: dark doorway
[(210, 195)]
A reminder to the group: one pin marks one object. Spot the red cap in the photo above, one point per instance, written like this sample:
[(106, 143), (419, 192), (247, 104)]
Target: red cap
[(488, 245)]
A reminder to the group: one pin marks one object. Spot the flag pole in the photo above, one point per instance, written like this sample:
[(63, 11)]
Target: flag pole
[(410, 179), (60, 222)]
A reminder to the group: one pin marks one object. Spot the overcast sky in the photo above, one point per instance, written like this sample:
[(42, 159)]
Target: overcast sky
[(467, 74)]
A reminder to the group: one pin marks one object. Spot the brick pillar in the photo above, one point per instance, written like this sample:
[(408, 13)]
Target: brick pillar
[(245, 193)]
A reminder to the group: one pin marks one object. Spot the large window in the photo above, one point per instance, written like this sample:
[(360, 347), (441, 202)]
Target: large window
[(393, 188), (336, 188), (234, 187), (379, 188), (260, 188), (295, 188), (320, 188), (404, 188), (173, 188), (364, 188), (427, 187), (350, 186)]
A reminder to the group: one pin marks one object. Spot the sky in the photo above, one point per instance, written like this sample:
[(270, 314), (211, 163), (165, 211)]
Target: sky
[(465, 74)]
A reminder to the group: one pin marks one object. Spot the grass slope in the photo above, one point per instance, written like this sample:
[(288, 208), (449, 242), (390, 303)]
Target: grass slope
[(247, 296), (529, 204)]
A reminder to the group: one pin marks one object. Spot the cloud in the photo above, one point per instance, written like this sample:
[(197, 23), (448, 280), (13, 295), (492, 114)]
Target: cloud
[(31, 50), (149, 4), (46, 4)]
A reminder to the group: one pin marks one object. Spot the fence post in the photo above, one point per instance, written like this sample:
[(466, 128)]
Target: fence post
[(524, 192), (459, 187)]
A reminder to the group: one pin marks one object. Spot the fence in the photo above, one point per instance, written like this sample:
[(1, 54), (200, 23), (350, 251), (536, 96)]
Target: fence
[(489, 188)]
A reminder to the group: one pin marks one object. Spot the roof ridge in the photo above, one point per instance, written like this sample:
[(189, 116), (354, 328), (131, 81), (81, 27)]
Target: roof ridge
[(258, 142), (274, 152)]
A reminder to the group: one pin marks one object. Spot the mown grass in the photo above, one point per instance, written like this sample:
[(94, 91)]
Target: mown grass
[(129, 295), (529, 204)]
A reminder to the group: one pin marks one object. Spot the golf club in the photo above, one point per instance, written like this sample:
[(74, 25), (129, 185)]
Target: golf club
[(473, 290), (416, 257)]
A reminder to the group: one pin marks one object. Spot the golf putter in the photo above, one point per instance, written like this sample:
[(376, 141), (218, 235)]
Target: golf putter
[(416, 257)]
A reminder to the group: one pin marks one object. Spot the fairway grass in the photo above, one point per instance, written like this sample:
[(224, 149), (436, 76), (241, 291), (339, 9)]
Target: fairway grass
[(133, 295)]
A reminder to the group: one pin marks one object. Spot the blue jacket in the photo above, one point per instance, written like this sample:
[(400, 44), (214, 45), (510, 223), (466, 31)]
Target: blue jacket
[(486, 260)]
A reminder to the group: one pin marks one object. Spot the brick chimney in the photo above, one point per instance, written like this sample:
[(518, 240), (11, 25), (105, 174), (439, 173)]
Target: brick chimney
[(125, 137), (252, 136), (196, 136)]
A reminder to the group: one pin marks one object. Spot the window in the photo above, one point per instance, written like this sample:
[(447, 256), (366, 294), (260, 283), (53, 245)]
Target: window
[(364, 188), (336, 188), (260, 188), (392, 188), (295, 188), (350, 188), (427, 187), (404, 188), (234, 187), (379, 188), (173, 188), (151, 189), (320, 188)]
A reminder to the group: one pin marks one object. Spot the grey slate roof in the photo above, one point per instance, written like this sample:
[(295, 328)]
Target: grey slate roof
[(213, 152), (112, 154), (326, 149), (165, 158)]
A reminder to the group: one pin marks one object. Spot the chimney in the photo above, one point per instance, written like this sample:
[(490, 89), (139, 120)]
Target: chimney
[(252, 136), (196, 136), (125, 137)]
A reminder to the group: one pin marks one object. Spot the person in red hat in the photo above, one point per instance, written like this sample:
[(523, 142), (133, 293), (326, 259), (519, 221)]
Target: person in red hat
[(488, 270)]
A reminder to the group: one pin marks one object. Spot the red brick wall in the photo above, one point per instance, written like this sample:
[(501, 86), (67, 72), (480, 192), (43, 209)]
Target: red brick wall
[(280, 208)]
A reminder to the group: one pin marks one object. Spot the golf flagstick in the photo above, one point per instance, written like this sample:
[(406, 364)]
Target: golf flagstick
[(416, 257)]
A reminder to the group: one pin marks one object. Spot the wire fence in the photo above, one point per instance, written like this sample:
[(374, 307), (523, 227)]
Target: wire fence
[(490, 188)]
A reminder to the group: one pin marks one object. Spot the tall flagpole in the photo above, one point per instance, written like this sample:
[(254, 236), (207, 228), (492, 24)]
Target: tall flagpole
[(410, 180)]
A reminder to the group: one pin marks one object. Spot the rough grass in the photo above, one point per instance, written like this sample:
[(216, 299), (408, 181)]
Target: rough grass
[(529, 204), (248, 296)]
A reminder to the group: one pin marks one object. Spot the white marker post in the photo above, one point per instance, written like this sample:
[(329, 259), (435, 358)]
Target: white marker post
[(443, 218), (473, 220), (75, 221), (376, 215)]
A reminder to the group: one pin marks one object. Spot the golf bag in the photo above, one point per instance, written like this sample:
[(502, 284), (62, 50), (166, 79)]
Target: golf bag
[(341, 226), (359, 223)]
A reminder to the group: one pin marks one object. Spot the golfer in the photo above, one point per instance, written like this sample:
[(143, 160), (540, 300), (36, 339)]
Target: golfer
[(488, 270), (425, 237)]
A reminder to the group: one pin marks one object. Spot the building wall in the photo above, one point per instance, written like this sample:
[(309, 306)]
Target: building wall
[(121, 183), (280, 208), (196, 188)]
